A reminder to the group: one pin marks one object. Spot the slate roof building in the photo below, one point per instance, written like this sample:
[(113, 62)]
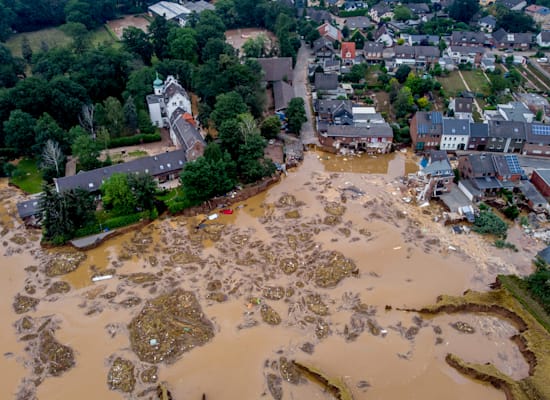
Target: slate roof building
[(426, 129), (276, 69), (178, 13), (455, 134), (505, 40)]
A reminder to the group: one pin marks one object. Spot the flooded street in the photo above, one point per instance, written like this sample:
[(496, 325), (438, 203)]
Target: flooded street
[(312, 270)]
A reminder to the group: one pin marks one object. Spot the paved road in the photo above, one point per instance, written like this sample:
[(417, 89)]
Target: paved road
[(301, 89)]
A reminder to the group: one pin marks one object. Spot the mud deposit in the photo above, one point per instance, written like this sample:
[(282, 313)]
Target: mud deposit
[(309, 273)]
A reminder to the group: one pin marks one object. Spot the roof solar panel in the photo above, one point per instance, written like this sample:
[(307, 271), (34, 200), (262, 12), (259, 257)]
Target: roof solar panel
[(513, 164), (543, 130)]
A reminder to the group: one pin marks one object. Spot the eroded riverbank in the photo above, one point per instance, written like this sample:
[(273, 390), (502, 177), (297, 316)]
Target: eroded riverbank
[(303, 271)]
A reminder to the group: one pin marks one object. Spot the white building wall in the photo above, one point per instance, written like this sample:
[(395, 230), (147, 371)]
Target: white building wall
[(155, 114), (452, 142), (178, 101)]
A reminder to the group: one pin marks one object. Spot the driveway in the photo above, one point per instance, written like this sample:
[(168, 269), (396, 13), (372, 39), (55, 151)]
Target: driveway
[(301, 89)]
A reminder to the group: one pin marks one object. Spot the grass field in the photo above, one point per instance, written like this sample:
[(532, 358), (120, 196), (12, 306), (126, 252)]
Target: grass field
[(452, 84), (27, 177), (476, 80), (54, 37)]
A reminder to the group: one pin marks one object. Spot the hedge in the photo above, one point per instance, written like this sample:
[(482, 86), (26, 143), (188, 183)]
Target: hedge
[(111, 223), (133, 140)]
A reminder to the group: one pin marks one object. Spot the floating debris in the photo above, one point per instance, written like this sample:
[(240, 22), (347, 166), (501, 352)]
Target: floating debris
[(121, 376)]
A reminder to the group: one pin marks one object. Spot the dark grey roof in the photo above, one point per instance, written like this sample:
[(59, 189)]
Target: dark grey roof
[(326, 81), (319, 16), (488, 20), (373, 47), (438, 155), (375, 130), (164, 163), (186, 133), (277, 68), (416, 51), (282, 94), (481, 163), (468, 49), (479, 130), (28, 208), (199, 6), (501, 165), (487, 182), (510, 3), (153, 99), (332, 106), (424, 39), (545, 36), (507, 129), (466, 37), (544, 174), (359, 22), (532, 194), (545, 254), (455, 126), (381, 8), (418, 8), (538, 133), (501, 36), (464, 105), (322, 42), (429, 122)]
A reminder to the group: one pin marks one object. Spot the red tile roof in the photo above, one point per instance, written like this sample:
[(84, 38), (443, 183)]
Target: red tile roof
[(348, 50)]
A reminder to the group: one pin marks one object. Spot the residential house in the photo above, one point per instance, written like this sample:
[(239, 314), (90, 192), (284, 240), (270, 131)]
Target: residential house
[(540, 14), (506, 136), (326, 84), (380, 11), (352, 5), (333, 112), (466, 54), (330, 32), (185, 135), (487, 23), (418, 9), (361, 23), (466, 38), (486, 3), (375, 138), (373, 52), (276, 69), (426, 129), (331, 65), (537, 140), (535, 103), (348, 53), (535, 200), (543, 39), (513, 5), (29, 211), (462, 107), (282, 94), (323, 48), (383, 35), (366, 116), (417, 56), (488, 63), (541, 180), (455, 134), (438, 174), (479, 136), (513, 111), (163, 167), (319, 16), (504, 40), (484, 175), (423, 40)]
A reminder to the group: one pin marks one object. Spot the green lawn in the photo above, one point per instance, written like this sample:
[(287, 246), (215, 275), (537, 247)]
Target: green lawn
[(54, 37), (452, 84), (476, 80), (27, 177)]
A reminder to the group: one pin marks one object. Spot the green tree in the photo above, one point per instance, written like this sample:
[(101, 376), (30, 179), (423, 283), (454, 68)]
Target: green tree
[(26, 50), (47, 129), (402, 13), (251, 161), (111, 115), (230, 137), (134, 40), (489, 223), (80, 35), (159, 31), (463, 10), (296, 115), (19, 132), (86, 149), (402, 73), (183, 44), (271, 127), (403, 102), (130, 115), (117, 195), (144, 187), (228, 106)]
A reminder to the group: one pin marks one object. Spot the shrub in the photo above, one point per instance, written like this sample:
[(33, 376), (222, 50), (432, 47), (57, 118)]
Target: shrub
[(124, 220), (489, 223), (133, 140), (502, 244)]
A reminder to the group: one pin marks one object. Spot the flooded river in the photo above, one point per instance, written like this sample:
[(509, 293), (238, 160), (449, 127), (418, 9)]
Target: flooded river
[(306, 271)]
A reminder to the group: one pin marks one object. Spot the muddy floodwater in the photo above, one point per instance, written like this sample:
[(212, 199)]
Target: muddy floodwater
[(311, 270)]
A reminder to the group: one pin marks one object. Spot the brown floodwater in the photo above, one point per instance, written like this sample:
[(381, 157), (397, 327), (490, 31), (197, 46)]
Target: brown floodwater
[(402, 257)]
